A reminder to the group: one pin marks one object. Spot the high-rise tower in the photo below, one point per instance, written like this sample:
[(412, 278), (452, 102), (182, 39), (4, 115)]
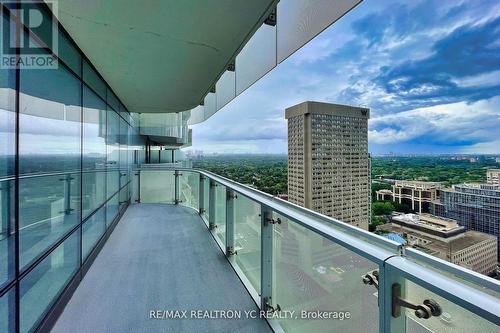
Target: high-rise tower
[(328, 161)]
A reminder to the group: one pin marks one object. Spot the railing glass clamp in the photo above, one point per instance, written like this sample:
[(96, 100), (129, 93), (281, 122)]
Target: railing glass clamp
[(429, 308)]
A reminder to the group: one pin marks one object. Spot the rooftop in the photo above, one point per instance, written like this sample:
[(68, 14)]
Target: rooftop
[(428, 221), (417, 184)]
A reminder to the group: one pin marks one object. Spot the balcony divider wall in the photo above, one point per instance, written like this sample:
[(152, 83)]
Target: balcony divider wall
[(66, 153)]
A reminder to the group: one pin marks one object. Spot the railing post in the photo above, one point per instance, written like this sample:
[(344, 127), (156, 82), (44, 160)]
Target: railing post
[(230, 197), (211, 205), (5, 226), (387, 323), (67, 193), (201, 195), (138, 174), (266, 277), (177, 187)]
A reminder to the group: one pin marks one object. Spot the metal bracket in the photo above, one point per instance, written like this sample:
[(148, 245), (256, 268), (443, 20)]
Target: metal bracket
[(271, 19), (371, 278), (177, 201), (202, 210), (231, 67), (231, 195), (428, 309), (268, 306), (230, 251), (212, 90), (65, 179), (269, 220)]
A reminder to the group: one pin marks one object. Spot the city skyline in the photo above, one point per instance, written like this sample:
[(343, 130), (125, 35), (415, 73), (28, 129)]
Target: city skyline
[(428, 100)]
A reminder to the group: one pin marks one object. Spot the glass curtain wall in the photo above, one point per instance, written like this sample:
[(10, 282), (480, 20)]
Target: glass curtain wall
[(66, 152)]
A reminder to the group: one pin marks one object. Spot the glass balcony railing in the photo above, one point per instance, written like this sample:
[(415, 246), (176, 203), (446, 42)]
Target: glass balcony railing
[(312, 273)]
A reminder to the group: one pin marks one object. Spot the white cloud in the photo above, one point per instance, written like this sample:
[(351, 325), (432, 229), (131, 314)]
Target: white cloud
[(456, 122)]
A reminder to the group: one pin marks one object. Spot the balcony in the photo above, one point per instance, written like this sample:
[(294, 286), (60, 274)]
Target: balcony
[(91, 242), (197, 241), (159, 257)]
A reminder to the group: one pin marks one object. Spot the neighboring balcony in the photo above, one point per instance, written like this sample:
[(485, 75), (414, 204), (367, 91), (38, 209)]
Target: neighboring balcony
[(191, 240)]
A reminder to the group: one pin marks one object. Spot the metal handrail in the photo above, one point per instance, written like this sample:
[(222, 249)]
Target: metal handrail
[(60, 173), (349, 237)]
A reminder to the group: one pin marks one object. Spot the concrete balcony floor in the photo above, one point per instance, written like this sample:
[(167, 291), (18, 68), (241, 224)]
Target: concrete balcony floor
[(159, 257)]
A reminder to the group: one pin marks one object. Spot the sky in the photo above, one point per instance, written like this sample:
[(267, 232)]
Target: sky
[(428, 70)]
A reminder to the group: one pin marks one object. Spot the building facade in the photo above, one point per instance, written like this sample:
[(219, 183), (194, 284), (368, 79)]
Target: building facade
[(475, 206), (416, 194), (328, 161), (493, 176), (446, 239)]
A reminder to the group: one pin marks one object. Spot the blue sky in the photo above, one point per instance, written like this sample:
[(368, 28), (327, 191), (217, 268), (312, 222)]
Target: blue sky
[(429, 71)]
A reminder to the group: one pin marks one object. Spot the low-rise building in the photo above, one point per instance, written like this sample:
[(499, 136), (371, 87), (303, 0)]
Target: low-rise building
[(416, 194), (446, 239), (493, 176)]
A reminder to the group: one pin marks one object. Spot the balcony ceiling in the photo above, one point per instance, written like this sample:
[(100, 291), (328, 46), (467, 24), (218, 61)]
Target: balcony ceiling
[(160, 56)]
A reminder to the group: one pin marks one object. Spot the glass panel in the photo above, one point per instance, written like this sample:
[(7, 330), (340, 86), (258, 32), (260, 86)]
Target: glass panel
[(124, 196), (210, 105), (154, 156), (225, 89), (196, 115), (91, 78), (112, 100), (69, 54), (256, 58), (454, 318), (220, 212), (166, 156), (48, 209), (93, 229), (112, 209), (113, 152), (7, 312), (300, 21), (157, 186), (190, 184), (49, 123), (311, 273), (49, 141), (44, 283), (7, 231), (7, 164), (123, 158), (247, 238), (94, 152)]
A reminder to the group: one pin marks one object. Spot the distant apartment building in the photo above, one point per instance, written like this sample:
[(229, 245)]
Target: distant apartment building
[(418, 195), (474, 206), (493, 176), (446, 239), (328, 161)]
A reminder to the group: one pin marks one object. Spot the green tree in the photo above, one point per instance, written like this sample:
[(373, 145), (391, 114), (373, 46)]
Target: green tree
[(382, 208)]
